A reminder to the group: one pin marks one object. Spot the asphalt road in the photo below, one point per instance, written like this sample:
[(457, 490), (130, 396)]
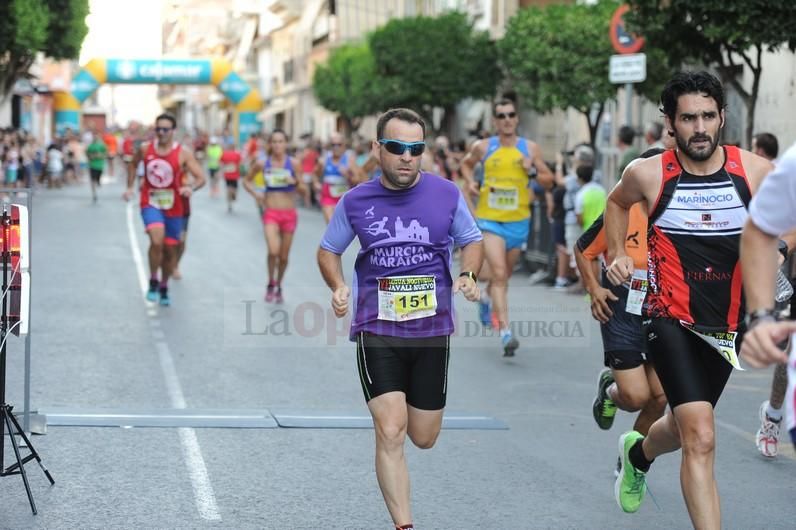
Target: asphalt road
[(98, 346)]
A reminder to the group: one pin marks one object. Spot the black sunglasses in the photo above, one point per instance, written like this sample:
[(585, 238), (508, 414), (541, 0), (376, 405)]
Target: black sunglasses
[(162, 129), (398, 147), (504, 115)]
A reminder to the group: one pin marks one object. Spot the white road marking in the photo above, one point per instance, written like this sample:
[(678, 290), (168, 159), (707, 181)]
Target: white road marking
[(204, 496)]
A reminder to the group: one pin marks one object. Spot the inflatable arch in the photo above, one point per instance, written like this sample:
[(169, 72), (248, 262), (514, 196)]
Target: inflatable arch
[(160, 71)]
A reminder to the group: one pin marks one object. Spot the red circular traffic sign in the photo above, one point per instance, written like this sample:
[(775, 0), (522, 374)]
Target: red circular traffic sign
[(622, 41)]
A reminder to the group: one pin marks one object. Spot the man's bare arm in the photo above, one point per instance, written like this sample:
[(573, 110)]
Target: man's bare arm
[(468, 164), (195, 170), (331, 266), (544, 176)]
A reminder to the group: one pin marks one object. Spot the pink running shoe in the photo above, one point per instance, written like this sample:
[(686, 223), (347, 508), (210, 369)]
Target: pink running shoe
[(270, 292)]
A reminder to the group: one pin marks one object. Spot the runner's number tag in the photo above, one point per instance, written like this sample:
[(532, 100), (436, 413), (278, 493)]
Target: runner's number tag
[(403, 298), (277, 177), (162, 199), (637, 292), (337, 190), (503, 198), (230, 168), (721, 341)]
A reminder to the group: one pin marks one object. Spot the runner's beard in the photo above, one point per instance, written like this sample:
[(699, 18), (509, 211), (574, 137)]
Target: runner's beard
[(697, 155), (401, 181)]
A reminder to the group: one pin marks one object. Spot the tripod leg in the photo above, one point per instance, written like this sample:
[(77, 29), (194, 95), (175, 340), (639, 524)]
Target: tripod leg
[(31, 448), (6, 413)]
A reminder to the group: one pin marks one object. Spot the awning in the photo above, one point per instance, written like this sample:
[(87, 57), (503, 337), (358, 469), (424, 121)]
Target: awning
[(277, 105), (245, 42)]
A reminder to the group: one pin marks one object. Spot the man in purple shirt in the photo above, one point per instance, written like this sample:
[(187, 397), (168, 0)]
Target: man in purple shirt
[(407, 223)]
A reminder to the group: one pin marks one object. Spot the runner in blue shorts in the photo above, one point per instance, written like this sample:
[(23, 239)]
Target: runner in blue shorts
[(504, 208)]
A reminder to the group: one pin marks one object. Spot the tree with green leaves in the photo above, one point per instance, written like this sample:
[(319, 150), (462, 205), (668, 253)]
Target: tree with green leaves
[(426, 62), (728, 34), (347, 84), (54, 27), (557, 57)]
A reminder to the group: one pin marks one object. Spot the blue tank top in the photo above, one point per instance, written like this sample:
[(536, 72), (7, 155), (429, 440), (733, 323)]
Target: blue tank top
[(276, 178), (331, 171)]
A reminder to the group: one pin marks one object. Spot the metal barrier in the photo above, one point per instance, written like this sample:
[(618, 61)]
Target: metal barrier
[(540, 252)]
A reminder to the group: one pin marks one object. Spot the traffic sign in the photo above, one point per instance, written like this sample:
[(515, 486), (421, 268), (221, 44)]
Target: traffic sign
[(622, 41), (628, 68)]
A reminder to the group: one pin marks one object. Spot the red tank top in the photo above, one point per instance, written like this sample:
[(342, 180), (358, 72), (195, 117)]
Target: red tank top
[(693, 245), (162, 181)]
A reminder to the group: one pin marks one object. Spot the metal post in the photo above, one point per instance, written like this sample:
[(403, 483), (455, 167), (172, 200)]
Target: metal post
[(629, 104), (6, 219), (26, 410)]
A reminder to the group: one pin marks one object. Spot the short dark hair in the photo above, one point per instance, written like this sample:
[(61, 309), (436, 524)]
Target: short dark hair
[(169, 117), (501, 102), (767, 143), (626, 134), (278, 131), (690, 83), (407, 115), (585, 173)]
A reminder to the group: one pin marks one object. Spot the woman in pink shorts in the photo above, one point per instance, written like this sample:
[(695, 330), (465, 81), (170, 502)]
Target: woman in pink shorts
[(278, 200)]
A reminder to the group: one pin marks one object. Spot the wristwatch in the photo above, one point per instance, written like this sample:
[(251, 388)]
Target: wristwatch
[(757, 316), (469, 274), (783, 248)]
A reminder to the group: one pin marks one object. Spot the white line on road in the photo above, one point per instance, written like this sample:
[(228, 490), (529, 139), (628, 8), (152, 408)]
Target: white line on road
[(170, 375), (139, 262), (203, 493)]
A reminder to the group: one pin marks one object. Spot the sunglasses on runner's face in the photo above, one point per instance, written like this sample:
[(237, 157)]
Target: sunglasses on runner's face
[(162, 129), (398, 147), (504, 115)]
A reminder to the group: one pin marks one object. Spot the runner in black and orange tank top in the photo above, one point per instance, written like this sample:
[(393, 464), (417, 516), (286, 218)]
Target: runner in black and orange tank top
[(694, 233), (697, 196)]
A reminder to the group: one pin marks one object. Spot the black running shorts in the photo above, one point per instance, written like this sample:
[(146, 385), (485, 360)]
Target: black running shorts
[(689, 368), (96, 174), (418, 367), (624, 343)]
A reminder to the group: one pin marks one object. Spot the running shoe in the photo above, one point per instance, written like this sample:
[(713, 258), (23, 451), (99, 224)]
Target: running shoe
[(767, 438), (604, 409), (165, 301), (485, 313), (631, 484), (510, 344), (152, 293), (270, 292), (278, 295)]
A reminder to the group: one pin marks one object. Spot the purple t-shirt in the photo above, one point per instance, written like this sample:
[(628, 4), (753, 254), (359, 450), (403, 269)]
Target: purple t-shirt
[(402, 275)]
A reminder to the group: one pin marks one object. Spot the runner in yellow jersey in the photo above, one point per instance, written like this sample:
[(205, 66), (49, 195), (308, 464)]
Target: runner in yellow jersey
[(504, 205)]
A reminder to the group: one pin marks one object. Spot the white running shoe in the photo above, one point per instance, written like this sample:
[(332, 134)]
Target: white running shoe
[(768, 436)]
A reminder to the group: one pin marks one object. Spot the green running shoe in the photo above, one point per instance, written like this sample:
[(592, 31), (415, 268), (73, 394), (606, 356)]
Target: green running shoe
[(631, 485), (603, 408)]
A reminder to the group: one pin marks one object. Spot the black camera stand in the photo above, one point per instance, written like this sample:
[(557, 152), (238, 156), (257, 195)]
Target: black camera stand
[(8, 423)]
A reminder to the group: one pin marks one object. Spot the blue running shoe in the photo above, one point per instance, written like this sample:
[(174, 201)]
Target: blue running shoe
[(510, 344), (152, 293), (165, 301), (485, 313)]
